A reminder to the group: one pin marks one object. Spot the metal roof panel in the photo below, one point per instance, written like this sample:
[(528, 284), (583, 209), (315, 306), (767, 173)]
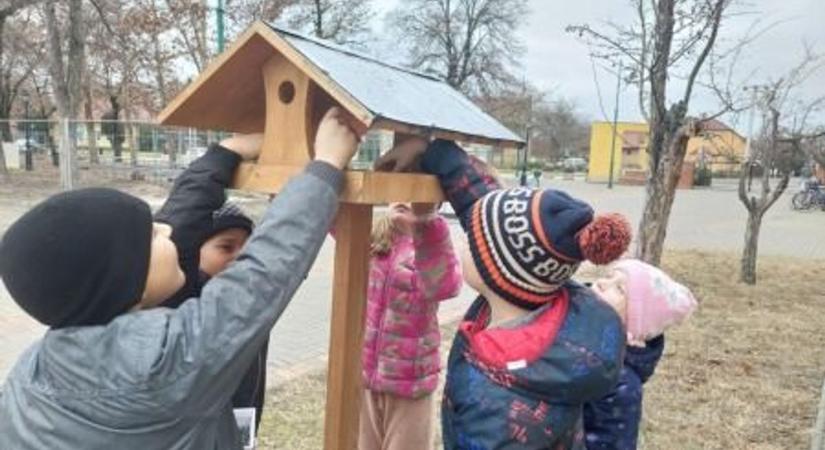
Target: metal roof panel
[(397, 93)]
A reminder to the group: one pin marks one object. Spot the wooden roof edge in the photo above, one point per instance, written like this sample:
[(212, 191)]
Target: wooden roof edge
[(387, 123), (316, 74), (213, 67)]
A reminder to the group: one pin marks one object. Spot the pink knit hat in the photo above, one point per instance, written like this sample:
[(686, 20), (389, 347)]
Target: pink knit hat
[(654, 301)]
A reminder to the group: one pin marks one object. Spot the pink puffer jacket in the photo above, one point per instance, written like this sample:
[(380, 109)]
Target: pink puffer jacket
[(402, 337)]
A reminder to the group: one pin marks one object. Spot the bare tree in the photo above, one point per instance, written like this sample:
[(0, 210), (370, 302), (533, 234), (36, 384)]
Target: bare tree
[(472, 44), (67, 62), (191, 32), (786, 126), (559, 130), (21, 51), (554, 125), (345, 22), (114, 59), (16, 65), (151, 23), (241, 13), (669, 39)]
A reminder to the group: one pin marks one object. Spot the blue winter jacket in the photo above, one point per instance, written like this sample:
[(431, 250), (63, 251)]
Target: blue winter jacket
[(612, 422), (522, 387)]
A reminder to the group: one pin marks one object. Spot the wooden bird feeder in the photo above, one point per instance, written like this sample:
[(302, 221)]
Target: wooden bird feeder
[(281, 83)]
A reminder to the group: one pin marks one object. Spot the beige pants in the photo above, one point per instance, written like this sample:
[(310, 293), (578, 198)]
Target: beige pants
[(389, 422)]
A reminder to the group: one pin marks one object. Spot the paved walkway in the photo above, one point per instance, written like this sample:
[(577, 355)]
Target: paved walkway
[(711, 219)]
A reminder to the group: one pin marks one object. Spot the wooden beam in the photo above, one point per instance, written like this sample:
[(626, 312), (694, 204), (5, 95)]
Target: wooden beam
[(384, 123), (227, 95), (349, 296), (362, 187)]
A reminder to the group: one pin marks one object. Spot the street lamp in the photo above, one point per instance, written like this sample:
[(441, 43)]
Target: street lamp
[(28, 131)]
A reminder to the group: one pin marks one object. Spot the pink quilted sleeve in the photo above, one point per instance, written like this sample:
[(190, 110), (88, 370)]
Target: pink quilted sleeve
[(439, 274)]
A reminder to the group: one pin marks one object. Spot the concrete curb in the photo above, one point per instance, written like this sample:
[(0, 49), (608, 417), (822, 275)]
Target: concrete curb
[(818, 438)]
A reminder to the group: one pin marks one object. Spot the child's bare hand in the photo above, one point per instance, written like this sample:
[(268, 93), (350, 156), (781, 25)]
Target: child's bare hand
[(335, 142), (404, 157), (248, 146)]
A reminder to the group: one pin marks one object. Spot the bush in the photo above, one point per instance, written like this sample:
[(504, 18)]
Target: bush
[(702, 177)]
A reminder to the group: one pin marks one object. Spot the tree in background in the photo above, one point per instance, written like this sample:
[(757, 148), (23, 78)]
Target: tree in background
[(785, 127), (556, 128), (191, 33), (16, 64), (471, 44), (669, 39), (114, 61), (559, 131), (66, 34), (112, 128), (346, 22)]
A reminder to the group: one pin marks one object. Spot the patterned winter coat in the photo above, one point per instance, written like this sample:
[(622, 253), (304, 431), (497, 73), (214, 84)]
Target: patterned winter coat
[(612, 422), (401, 341), (522, 387)]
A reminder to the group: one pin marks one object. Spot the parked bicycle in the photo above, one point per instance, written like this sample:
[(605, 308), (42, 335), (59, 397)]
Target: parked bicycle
[(811, 195)]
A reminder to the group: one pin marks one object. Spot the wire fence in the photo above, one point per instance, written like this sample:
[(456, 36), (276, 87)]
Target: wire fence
[(135, 150), (121, 150)]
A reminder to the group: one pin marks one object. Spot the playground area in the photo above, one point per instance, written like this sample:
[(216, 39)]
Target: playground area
[(744, 373)]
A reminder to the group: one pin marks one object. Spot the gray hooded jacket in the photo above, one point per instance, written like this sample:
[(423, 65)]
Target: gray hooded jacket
[(163, 378)]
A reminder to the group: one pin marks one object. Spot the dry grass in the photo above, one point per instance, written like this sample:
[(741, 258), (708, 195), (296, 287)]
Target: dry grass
[(744, 373)]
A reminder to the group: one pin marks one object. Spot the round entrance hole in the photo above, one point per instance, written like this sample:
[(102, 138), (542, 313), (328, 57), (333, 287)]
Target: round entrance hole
[(286, 92)]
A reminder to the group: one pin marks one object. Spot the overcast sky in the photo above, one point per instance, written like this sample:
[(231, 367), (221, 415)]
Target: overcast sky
[(558, 62)]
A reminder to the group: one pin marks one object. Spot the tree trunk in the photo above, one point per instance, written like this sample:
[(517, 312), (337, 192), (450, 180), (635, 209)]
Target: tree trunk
[(133, 144), (661, 191), (4, 171), (748, 268), (116, 137), (5, 129), (91, 133), (67, 76)]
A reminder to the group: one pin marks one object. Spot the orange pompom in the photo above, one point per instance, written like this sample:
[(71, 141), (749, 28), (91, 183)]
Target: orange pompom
[(605, 239)]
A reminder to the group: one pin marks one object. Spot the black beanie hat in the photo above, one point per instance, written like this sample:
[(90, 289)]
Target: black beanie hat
[(230, 216), (78, 258)]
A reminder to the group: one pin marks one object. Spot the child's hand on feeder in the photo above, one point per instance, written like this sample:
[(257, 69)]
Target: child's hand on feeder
[(248, 146), (404, 157), (335, 142)]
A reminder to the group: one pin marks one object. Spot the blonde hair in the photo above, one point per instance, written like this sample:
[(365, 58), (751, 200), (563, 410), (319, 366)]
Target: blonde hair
[(384, 232)]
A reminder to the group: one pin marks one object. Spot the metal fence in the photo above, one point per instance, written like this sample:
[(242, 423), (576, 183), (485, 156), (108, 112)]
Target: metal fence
[(122, 150)]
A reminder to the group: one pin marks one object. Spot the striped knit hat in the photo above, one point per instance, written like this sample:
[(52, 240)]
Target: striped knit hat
[(526, 243)]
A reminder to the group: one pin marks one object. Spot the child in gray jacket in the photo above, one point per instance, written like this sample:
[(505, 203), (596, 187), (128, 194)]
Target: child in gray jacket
[(112, 371)]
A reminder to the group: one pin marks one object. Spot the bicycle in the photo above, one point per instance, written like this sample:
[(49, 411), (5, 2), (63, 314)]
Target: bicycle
[(810, 195)]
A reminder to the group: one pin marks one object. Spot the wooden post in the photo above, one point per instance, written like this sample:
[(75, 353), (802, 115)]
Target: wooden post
[(349, 298)]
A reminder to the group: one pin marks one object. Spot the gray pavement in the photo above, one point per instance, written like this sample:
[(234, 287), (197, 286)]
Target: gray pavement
[(708, 219)]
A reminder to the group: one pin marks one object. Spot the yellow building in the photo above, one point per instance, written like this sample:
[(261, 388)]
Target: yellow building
[(721, 148)]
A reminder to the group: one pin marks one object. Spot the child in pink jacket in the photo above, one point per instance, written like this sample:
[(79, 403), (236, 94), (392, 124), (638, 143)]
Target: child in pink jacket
[(413, 267)]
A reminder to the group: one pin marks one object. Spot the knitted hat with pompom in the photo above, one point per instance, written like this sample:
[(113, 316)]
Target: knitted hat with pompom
[(526, 243)]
